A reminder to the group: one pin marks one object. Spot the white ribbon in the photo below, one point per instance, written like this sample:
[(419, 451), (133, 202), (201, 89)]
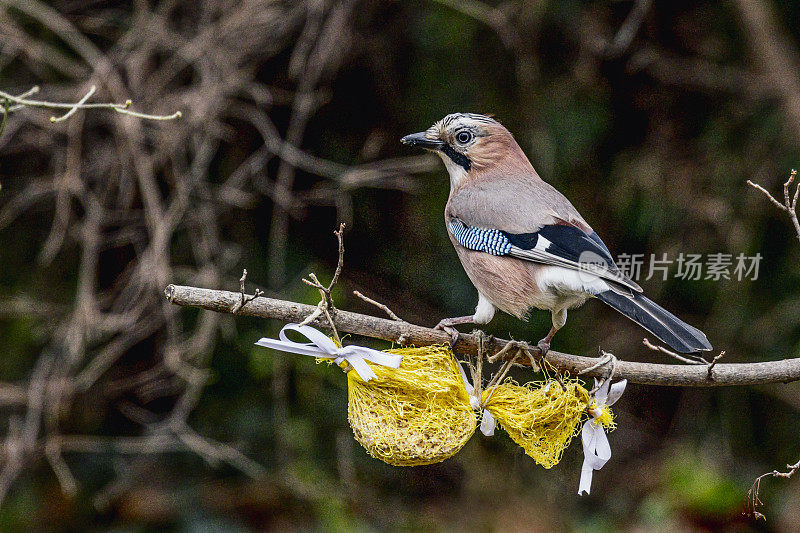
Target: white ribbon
[(596, 449), (488, 422), (321, 346)]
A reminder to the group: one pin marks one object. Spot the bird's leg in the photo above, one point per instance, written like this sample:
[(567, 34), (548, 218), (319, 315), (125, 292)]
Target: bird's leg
[(446, 325), (559, 319), (544, 344)]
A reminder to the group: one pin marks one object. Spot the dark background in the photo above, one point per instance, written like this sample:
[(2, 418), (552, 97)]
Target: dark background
[(118, 408)]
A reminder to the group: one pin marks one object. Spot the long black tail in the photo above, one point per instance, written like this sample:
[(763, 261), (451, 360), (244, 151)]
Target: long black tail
[(673, 331)]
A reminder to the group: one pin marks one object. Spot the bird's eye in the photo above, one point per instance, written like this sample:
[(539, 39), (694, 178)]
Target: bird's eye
[(463, 137)]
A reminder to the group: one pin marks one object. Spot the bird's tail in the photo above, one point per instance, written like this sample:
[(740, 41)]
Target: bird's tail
[(673, 331)]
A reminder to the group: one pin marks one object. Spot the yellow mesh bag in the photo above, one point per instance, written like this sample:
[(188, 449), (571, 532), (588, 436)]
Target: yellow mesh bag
[(420, 413), (541, 417), (417, 414)]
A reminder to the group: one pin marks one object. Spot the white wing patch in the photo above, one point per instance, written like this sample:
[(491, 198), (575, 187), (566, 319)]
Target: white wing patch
[(542, 244)]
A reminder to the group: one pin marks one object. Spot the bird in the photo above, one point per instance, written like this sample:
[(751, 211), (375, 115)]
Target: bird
[(523, 245)]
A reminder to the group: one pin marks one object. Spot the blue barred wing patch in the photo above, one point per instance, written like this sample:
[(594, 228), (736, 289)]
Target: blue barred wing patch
[(490, 241)]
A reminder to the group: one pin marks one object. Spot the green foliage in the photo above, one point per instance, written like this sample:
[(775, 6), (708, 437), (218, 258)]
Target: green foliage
[(700, 487)]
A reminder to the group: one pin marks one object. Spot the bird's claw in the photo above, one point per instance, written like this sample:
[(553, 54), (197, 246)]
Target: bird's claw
[(446, 326), (544, 347)]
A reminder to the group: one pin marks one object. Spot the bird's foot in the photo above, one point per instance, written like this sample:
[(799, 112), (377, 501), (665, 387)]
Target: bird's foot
[(544, 344), (447, 324), (544, 347), (453, 332)]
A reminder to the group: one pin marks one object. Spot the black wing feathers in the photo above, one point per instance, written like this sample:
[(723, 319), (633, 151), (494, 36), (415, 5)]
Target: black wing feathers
[(566, 244)]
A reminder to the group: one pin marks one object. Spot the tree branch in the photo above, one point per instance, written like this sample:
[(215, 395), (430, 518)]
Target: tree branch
[(789, 204), (13, 103), (753, 500), (391, 330)]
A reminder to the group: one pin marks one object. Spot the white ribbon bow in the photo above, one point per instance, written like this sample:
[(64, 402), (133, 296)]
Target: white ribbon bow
[(596, 449), (321, 346), (488, 422)]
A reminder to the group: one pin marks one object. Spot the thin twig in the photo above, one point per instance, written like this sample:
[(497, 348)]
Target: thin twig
[(162, 197), (22, 101), (498, 377), (536, 361), (657, 348), (752, 495), (6, 107), (75, 107), (789, 204), (628, 30), (340, 262), (313, 315), (713, 363), (145, 116), (790, 207), (325, 305), (245, 299), (510, 345), (477, 368), (64, 475), (605, 358), (379, 305), (771, 198)]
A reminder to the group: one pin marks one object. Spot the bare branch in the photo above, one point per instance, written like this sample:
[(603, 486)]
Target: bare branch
[(790, 207), (506, 349), (22, 101), (143, 189), (65, 477), (790, 201), (340, 261), (629, 28), (771, 198), (692, 359), (725, 374), (72, 109), (753, 499)]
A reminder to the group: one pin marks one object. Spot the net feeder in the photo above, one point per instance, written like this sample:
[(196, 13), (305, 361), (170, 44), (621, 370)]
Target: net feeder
[(418, 414), (406, 407), (415, 406)]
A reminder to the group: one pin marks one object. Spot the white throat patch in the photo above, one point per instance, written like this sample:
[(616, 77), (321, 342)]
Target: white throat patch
[(457, 172)]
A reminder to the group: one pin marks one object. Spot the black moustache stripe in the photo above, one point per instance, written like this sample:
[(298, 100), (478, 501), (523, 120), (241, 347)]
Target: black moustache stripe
[(458, 158)]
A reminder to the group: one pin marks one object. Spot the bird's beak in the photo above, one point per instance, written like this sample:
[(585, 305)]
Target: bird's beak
[(419, 139)]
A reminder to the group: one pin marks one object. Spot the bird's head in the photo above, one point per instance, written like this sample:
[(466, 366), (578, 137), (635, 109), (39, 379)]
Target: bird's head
[(469, 143)]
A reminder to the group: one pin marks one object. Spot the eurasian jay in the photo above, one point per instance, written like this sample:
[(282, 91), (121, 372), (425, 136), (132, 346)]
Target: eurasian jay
[(523, 244)]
